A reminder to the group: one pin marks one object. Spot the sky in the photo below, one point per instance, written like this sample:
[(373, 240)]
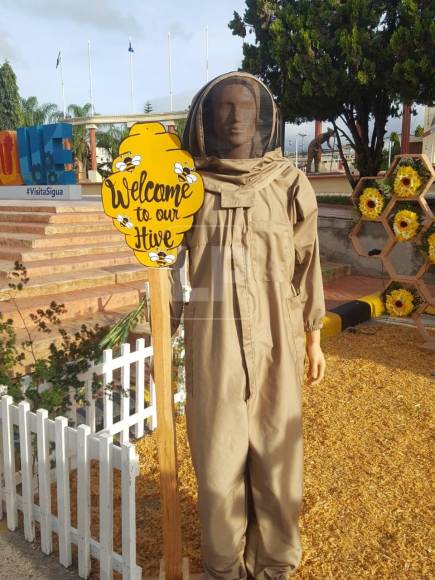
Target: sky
[(33, 31)]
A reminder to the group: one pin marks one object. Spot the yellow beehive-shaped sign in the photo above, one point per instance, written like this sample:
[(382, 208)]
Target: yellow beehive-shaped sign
[(153, 193)]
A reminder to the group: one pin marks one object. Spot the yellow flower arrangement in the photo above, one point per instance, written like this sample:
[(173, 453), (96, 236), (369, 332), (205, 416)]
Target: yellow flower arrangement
[(371, 202), (400, 302), (431, 246), (407, 182), (405, 225)]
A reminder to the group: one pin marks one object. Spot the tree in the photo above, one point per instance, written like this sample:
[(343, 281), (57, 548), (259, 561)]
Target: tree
[(110, 139), (180, 124), (348, 63), (10, 103), (79, 141), (395, 150), (396, 147), (419, 131), (147, 107), (35, 114)]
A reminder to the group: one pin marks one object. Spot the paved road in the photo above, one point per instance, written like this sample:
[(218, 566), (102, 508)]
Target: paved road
[(21, 560)]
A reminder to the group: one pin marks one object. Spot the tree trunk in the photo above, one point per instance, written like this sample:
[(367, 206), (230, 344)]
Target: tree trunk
[(349, 176)]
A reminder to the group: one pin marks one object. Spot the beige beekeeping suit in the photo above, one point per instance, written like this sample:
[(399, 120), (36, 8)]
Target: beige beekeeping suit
[(256, 286)]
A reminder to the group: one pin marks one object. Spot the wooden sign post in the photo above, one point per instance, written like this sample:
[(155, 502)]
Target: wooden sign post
[(152, 196), (161, 342)]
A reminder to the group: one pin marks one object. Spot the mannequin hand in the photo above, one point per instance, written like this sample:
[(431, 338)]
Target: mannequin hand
[(316, 358)]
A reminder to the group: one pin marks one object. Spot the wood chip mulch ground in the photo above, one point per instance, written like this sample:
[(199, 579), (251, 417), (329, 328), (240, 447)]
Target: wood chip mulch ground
[(367, 510)]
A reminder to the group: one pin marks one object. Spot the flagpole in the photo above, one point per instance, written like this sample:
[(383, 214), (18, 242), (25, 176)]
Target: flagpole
[(62, 85), (206, 54), (131, 77), (91, 91), (170, 70)]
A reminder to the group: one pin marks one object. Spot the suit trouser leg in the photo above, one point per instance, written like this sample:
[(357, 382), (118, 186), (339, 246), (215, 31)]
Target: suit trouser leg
[(275, 463), (218, 439)]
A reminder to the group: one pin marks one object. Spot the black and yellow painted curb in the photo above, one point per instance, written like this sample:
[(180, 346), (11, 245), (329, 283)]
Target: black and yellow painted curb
[(354, 312), (351, 313)]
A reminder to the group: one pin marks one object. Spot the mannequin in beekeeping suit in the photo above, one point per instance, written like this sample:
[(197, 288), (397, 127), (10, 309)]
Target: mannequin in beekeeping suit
[(256, 281)]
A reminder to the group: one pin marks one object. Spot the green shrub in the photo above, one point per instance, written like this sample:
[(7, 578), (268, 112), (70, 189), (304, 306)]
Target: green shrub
[(60, 368)]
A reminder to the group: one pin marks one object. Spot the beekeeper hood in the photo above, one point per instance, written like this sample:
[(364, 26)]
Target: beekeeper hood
[(233, 130)]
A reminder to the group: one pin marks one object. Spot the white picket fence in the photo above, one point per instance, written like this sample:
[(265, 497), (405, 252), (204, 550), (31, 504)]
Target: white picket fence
[(83, 446), (75, 448), (127, 419)]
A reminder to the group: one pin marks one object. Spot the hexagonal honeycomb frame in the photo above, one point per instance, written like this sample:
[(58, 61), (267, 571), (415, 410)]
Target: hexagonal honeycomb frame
[(428, 218), (424, 291)]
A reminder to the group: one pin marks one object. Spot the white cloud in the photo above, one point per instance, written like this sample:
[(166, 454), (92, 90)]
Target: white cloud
[(7, 50), (177, 30), (96, 13)]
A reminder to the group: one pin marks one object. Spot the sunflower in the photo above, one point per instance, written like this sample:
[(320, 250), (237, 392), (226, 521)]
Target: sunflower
[(405, 225), (371, 202), (431, 248), (400, 302), (407, 182)]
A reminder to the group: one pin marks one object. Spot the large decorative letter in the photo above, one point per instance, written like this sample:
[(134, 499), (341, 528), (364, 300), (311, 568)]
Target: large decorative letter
[(56, 156), (42, 156), (9, 164)]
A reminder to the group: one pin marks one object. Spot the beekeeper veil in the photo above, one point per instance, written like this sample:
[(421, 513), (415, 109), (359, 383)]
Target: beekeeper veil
[(233, 116)]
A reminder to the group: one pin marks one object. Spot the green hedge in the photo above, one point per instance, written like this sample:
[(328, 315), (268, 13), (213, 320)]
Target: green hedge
[(341, 199)]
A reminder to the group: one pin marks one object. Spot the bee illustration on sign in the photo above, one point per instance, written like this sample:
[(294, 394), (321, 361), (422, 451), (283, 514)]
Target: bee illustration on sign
[(185, 174), (162, 258), (128, 163), (153, 193), (124, 221)]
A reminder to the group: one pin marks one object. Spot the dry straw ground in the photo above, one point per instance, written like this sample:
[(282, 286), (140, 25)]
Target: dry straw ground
[(367, 435)]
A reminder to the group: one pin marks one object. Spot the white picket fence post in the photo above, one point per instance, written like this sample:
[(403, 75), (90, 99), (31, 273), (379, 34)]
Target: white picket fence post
[(130, 470), (106, 507), (63, 491), (44, 480), (9, 463), (83, 500), (107, 396), (140, 386), (125, 391), (26, 456)]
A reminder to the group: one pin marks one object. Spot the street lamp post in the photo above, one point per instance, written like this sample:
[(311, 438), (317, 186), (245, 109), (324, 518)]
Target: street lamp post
[(302, 135), (297, 151)]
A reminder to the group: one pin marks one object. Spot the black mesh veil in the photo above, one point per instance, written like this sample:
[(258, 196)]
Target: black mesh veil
[(233, 110)]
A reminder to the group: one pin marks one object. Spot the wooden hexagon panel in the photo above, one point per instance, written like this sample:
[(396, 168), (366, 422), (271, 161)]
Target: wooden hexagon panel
[(396, 204)]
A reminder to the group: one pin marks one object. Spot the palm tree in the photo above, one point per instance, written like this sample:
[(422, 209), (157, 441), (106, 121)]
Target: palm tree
[(180, 124), (109, 138), (35, 114), (79, 141)]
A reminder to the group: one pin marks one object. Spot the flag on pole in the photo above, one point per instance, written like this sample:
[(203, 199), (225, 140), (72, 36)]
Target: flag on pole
[(131, 51), (59, 57)]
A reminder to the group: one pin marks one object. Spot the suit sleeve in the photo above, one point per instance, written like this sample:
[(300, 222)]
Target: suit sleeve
[(176, 298), (308, 272)]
